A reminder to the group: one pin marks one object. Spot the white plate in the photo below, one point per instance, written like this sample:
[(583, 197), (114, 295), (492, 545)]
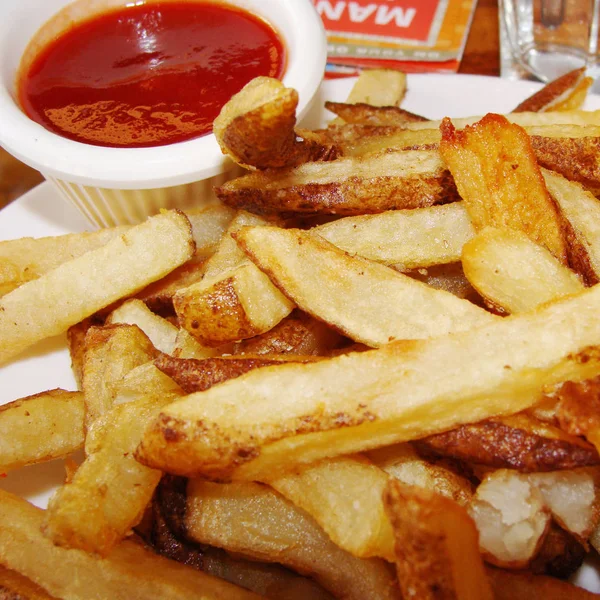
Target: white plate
[(42, 212)]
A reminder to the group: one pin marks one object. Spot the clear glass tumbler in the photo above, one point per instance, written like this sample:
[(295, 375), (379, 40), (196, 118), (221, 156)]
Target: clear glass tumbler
[(551, 37)]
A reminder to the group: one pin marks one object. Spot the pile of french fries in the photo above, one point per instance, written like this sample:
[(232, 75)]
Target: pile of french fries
[(372, 372)]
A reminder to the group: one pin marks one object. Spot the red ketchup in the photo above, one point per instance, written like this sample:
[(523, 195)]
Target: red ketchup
[(148, 75)]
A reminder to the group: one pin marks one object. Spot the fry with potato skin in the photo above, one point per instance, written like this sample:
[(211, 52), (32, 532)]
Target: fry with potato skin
[(497, 176), (256, 128), (346, 186), (198, 375), (519, 442), (245, 427), (554, 93), (437, 554)]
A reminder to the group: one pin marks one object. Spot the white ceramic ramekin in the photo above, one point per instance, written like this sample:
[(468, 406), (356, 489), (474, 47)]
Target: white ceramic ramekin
[(124, 185)]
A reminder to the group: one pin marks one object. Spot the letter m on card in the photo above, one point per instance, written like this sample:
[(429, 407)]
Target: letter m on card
[(417, 21)]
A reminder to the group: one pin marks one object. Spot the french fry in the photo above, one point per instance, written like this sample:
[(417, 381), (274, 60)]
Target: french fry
[(344, 496), (269, 580), (512, 585), (130, 572), (513, 273), (76, 343), (571, 497), (500, 182), (298, 334), (235, 300), (256, 127), (131, 261), (28, 258), (255, 521), (378, 87), (511, 517), (110, 352), (402, 462), (362, 113), (518, 442), (198, 375), (512, 511), (110, 490), (575, 158), (247, 428), (346, 186), (25, 259), (437, 554), (13, 586), (582, 210), (368, 302), (408, 239), (162, 333), (40, 428), (578, 409), (555, 94)]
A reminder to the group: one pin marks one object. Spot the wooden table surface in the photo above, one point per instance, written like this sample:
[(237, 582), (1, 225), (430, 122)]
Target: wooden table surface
[(481, 57)]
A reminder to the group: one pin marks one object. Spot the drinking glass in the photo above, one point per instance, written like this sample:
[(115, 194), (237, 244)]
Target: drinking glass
[(551, 37)]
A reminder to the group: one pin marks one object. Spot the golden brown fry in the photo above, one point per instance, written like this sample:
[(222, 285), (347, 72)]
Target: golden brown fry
[(257, 522), (437, 554), (298, 334), (500, 182), (378, 87), (248, 427), (344, 496), (513, 273), (576, 158), (346, 186), (161, 332), (554, 94), (582, 211), (408, 239), (14, 586), (512, 585), (402, 462), (578, 409), (519, 442), (235, 300), (110, 490), (39, 428), (27, 258), (130, 572), (131, 261), (256, 128), (110, 352), (194, 375), (363, 113), (76, 343), (368, 302)]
